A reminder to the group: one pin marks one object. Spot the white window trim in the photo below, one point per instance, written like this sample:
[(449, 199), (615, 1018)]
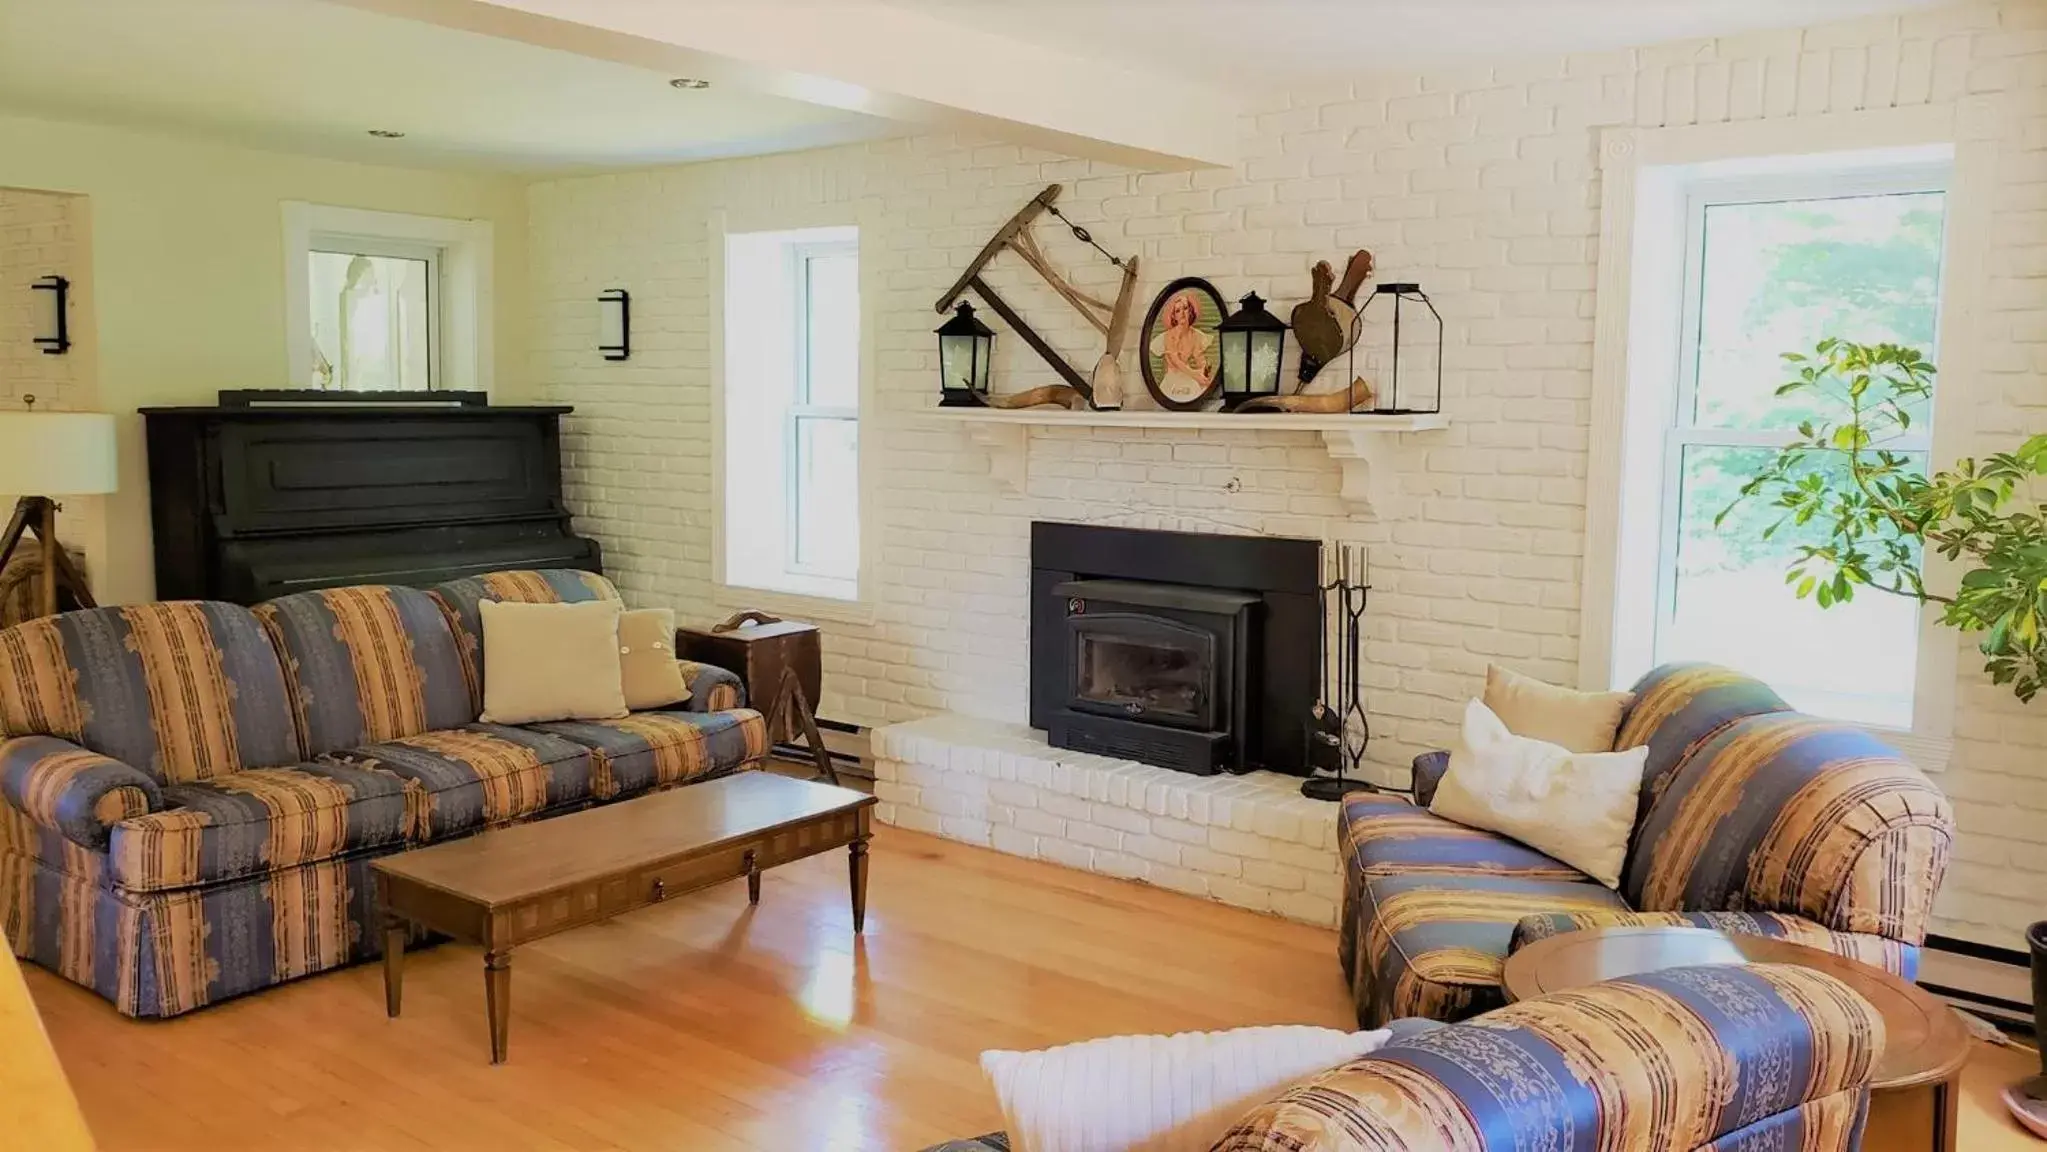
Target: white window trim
[(1636, 197), (720, 223), (461, 318)]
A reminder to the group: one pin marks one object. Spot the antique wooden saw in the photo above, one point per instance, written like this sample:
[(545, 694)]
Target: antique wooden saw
[(1103, 387)]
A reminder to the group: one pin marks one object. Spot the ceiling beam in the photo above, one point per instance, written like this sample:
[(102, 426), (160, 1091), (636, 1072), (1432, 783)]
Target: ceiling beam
[(889, 62)]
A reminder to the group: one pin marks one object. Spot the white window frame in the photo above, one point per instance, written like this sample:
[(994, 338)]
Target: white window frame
[(459, 297), (1649, 177), (800, 256), (860, 609)]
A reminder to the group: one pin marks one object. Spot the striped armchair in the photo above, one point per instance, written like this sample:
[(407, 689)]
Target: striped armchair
[(1686, 1060), (1753, 818)]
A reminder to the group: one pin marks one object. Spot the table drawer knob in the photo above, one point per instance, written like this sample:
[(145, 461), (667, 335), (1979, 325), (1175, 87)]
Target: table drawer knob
[(660, 890)]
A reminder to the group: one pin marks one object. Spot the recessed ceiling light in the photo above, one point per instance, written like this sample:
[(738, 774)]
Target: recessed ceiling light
[(689, 83), (386, 134)]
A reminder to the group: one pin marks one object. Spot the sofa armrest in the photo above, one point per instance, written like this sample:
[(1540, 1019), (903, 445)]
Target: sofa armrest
[(1683, 1058), (1428, 772), (73, 791), (711, 688), (1894, 956)]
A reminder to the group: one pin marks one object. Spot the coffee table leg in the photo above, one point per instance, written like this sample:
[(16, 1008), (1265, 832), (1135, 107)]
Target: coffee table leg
[(858, 862), (753, 878), (394, 962), (1947, 1112), (497, 987)]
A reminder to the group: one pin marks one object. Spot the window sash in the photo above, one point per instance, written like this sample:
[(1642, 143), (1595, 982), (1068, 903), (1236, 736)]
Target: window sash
[(1684, 431), (334, 244), (801, 409)]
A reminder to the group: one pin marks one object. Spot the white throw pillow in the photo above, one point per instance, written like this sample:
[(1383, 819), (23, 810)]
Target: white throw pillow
[(1576, 806), (1157, 1093), (545, 662)]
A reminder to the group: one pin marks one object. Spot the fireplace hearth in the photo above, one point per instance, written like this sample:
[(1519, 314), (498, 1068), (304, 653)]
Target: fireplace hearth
[(1185, 650)]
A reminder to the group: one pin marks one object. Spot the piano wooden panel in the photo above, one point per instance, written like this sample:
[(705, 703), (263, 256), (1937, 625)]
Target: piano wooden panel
[(253, 503)]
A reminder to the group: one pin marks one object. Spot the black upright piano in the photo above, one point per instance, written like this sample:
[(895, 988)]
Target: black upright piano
[(255, 501)]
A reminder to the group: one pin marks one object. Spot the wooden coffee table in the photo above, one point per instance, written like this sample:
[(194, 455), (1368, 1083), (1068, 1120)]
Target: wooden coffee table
[(1926, 1043), (514, 885)]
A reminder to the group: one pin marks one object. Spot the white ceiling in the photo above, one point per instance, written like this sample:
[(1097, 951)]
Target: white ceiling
[(1273, 40), (306, 76)]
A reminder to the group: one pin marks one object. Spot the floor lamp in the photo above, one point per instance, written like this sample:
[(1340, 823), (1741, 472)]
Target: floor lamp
[(53, 454)]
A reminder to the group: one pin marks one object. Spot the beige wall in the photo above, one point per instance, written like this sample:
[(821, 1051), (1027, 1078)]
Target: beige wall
[(187, 278)]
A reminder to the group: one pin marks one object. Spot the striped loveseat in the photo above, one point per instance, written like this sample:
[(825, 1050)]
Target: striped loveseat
[(191, 793), (1753, 818)]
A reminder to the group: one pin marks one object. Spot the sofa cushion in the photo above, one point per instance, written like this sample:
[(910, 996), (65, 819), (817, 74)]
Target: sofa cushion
[(1434, 945), (658, 749), (1385, 835), (183, 692), (1787, 813), (462, 780), (1876, 951), (1679, 705), (253, 822), (461, 601), (368, 664)]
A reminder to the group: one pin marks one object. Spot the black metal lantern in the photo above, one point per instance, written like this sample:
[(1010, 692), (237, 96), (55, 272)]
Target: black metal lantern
[(965, 345), (1407, 361), (1252, 342)]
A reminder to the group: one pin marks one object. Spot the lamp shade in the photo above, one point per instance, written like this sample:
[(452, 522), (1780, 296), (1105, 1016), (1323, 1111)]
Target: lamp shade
[(57, 454)]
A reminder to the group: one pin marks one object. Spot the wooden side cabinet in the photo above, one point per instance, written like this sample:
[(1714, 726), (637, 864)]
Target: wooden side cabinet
[(782, 665)]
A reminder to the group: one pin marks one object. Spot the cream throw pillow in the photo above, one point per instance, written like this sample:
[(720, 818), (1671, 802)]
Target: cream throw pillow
[(1580, 721), (646, 657), (1157, 1093), (1576, 806), (546, 662)]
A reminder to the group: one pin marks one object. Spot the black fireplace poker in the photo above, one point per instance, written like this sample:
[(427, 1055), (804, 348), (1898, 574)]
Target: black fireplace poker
[(1338, 730)]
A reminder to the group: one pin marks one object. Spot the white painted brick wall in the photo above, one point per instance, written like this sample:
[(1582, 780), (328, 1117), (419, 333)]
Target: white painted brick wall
[(1252, 841), (38, 237), (1481, 184)]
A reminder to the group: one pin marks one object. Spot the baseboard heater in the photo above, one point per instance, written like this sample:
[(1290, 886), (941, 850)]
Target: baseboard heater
[(1983, 979), (838, 737)]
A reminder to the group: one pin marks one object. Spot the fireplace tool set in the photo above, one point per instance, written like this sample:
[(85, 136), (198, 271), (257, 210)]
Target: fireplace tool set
[(1337, 728)]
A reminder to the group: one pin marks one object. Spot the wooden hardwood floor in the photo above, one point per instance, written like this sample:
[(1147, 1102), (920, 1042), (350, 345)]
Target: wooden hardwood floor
[(701, 1025)]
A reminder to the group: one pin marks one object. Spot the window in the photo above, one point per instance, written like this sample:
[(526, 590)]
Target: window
[(791, 411), (378, 301), (1774, 266)]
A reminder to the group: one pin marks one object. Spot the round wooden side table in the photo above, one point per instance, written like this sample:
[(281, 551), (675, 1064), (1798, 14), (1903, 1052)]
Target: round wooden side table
[(1926, 1043)]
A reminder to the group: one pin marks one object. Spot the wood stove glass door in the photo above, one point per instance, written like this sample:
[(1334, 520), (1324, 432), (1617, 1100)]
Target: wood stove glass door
[(1144, 668)]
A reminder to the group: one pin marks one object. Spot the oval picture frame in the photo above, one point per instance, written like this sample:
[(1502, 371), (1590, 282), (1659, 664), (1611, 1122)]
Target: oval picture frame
[(1170, 384)]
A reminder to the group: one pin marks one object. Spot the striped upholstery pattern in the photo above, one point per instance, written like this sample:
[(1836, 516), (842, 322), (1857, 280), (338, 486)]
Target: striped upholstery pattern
[(711, 688), (1760, 1058), (1785, 813), (1677, 707), (1875, 951), (366, 665), (256, 822), (1429, 908), (72, 791), (650, 750), (460, 601), (478, 776), (184, 692)]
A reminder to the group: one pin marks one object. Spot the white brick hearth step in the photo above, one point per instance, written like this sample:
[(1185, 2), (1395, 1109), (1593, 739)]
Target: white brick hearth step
[(1252, 841)]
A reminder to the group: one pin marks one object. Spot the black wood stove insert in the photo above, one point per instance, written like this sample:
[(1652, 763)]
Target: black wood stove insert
[(1185, 650)]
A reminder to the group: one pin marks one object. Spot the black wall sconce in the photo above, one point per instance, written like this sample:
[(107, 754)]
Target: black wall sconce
[(615, 324), (60, 291)]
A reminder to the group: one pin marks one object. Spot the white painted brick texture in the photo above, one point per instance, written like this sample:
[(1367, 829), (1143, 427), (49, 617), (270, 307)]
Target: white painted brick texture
[(1481, 184), (39, 236)]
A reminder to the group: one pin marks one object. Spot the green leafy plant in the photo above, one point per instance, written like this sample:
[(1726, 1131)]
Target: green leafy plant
[(1862, 512)]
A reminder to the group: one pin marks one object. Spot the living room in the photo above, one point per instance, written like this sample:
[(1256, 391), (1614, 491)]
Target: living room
[(1212, 516)]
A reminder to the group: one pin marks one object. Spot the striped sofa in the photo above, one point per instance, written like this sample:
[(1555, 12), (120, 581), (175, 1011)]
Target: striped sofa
[(191, 793), (1766, 1058), (1753, 818)]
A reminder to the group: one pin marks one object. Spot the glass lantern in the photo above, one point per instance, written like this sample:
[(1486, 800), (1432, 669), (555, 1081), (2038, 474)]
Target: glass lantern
[(965, 345), (1252, 340), (1402, 346)]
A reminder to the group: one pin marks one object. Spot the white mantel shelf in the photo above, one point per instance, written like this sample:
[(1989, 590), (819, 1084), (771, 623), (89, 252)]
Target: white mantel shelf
[(1357, 442)]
